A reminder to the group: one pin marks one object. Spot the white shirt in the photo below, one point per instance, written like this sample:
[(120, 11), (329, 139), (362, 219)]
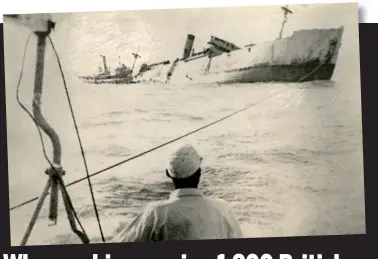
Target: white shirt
[(186, 215)]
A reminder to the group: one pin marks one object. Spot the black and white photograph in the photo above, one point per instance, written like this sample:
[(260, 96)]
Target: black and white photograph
[(184, 124)]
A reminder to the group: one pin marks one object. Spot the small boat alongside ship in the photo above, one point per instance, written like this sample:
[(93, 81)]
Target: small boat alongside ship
[(306, 55)]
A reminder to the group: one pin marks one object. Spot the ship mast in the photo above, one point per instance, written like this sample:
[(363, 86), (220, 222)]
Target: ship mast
[(286, 11), (136, 56)]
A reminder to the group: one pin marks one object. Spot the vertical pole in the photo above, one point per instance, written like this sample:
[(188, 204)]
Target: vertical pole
[(283, 25), (136, 56), (38, 89), (106, 69), (286, 12), (40, 62), (41, 122), (132, 69), (38, 83), (53, 211)]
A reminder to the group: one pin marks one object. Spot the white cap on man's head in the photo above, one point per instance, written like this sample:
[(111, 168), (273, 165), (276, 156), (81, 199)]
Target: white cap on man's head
[(184, 162)]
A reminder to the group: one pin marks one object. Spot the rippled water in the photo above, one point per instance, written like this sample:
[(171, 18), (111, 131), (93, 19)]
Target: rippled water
[(291, 165)]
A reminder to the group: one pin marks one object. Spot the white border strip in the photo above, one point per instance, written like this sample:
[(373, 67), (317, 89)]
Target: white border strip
[(369, 7)]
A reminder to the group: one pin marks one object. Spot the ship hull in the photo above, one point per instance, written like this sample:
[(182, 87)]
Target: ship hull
[(305, 56), (275, 73), (93, 80)]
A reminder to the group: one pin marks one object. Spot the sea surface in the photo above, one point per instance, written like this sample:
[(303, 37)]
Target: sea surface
[(290, 165)]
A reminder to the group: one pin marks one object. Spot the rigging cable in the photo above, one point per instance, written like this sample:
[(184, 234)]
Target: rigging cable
[(23, 106), (41, 137), (79, 139), (173, 140), (150, 150)]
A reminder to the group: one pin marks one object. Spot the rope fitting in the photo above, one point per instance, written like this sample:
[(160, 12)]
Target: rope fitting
[(55, 172)]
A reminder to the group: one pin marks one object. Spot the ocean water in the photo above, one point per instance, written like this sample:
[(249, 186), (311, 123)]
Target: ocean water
[(292, 165)]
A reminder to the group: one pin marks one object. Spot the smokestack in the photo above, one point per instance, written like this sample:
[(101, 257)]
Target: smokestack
[(188, 46), (104, 63)]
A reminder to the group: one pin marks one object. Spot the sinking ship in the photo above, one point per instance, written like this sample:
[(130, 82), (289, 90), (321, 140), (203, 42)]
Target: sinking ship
[(306, 55), (121, 75)]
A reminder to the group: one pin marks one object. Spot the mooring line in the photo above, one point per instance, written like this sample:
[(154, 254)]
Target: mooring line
[(169, 142), (152, 149), (69, 206), (79, 139)]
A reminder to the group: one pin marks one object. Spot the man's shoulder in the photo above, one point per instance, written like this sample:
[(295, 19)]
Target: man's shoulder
[(217, 201), (156, 205)]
